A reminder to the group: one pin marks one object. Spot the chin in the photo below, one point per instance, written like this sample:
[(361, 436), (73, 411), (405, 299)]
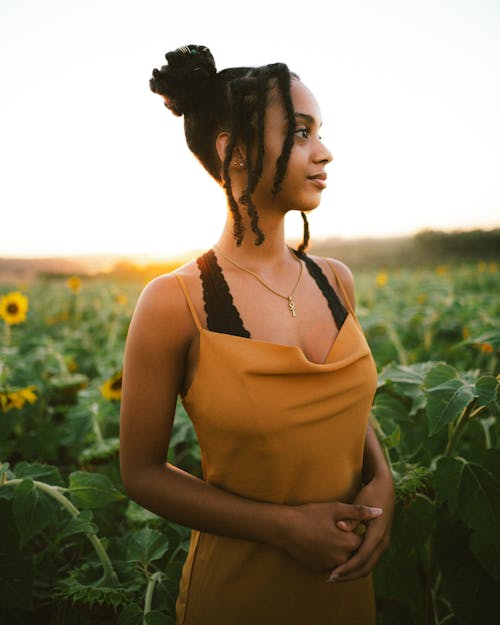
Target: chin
[(307, 207)]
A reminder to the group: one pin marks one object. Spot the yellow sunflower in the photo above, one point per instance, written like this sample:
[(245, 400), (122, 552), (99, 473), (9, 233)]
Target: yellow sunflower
[(74, 284), (17, 398), (112, 388), (13, 307), (382, 278)]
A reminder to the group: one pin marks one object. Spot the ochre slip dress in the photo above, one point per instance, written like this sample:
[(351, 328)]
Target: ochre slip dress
[(274, 426)]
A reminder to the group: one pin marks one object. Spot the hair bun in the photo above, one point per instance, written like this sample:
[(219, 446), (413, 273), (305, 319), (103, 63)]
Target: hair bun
[(185, 79)]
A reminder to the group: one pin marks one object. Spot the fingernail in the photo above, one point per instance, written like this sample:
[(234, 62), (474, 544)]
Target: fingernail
[(376, 510), (333, 578)]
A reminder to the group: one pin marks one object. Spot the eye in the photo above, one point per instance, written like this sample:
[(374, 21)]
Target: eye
[(303, 133)]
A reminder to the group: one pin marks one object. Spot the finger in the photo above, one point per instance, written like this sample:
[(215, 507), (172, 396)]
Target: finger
[(358, 512), (362, 571), (372, 546), (370, 542), (349, 525)]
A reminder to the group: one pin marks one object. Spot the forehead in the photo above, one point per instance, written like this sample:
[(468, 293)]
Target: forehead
[(303, 101)]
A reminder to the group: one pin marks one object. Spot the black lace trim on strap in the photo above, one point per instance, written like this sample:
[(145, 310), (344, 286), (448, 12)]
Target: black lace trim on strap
[(222, 314), (338, 311)]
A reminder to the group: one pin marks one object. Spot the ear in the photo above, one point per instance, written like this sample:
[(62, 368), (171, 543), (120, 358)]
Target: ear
[(222, 142)]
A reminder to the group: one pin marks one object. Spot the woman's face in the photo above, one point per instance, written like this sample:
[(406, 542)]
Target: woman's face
[(305, 176)]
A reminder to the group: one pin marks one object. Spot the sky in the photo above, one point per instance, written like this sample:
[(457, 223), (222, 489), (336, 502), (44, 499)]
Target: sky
[(92, 162)]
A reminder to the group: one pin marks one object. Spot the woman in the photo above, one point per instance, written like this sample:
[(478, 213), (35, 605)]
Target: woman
[(264, 348)]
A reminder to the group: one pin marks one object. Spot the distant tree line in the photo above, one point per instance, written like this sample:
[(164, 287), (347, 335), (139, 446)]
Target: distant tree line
[(472, 244), (428, 247)]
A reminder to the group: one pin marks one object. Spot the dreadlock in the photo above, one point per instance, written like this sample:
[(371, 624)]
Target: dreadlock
[(238, 230), (305, 240), (233, 100), (282, 162)]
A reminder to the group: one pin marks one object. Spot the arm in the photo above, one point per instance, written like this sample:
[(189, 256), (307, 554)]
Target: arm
[(156, 353), (155, 358), (377, 491)]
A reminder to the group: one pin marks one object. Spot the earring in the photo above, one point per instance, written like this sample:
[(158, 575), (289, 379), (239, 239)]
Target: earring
[(239, 164)]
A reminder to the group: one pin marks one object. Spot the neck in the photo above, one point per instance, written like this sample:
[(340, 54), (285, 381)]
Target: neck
[(272, 250)]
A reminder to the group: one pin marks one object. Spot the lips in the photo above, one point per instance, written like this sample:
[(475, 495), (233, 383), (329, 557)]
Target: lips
[(318, 179)]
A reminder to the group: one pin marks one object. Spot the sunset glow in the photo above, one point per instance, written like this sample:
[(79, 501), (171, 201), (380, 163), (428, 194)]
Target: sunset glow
[(93, 163)]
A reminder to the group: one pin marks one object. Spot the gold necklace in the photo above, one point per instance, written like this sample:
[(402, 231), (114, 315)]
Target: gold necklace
[(289, 298)]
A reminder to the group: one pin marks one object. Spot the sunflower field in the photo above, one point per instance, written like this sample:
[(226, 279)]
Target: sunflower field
[(75, 550)]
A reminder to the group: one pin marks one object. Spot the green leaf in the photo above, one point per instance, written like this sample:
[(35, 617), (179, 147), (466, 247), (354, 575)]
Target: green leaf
[(40, 472), (486, 547), (490, 460), (493, 338), (81, 524), (4, 471), (16, 567), (5, 474), (472, 593), (447, 396), (393, 439), (101, 451), (155, 617), (137, 515), (389, 409), (92, 490), (473, 496), (131, 615), (411, 535), (486, 391), (447, 482), (406, 374), (407, 381), (146, 545), (33, 510)]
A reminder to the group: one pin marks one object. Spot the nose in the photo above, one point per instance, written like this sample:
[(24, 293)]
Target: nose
[(323, 154)]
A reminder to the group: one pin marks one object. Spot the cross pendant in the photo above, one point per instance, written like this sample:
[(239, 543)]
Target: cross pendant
[(291, 306)]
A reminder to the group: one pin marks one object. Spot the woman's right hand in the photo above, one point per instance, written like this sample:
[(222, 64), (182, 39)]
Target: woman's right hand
[(313, 538)]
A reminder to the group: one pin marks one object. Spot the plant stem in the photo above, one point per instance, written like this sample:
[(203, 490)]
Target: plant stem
[(152, 581), (434, 591), (60, 361), (94, 411), (381, 436), (396, 341), (109, 577), (447, 618), (8, 335), (486, 424), (461, 423), (112, 334), (175, 552)]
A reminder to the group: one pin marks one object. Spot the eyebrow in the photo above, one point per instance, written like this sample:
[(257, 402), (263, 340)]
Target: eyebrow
[(309, 118)]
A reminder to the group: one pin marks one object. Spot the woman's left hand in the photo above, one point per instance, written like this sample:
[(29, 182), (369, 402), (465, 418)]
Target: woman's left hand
[(378, 492)]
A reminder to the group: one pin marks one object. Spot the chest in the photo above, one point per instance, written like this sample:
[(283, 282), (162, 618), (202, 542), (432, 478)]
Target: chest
[(305, 320)]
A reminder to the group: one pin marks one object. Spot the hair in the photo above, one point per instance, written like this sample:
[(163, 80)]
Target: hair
[(233, 100)]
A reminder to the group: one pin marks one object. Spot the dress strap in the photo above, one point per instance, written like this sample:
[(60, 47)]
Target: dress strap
[(222, 314), (189, 302), (336, 307), (344, 292)]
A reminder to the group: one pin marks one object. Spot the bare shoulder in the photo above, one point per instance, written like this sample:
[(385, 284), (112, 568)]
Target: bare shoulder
[(162, 306), (334, 268)]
